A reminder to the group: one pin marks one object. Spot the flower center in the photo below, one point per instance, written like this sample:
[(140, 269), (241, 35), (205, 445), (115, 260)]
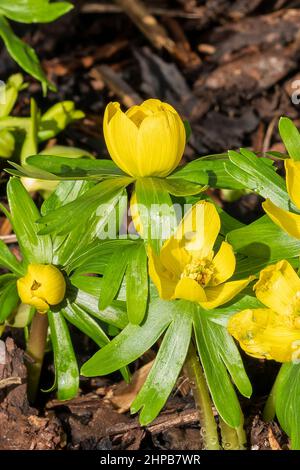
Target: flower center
[(201, 271), (35, 285)]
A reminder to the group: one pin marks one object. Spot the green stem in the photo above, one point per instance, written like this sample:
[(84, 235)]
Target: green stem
[(241, 434), (269, 409), (202, 399), (229, 435), (36, 350), (15, 122)]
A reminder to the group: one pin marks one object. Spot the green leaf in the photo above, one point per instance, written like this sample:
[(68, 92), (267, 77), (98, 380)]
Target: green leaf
[(290, 136), (9, 300), (287, 401), (115, 314), (231, 357), (156, 210), (85, 323), (30, 171), (65, 192), (9, 261), (65, 218), (113, 275), (30, 144), (188, 130), (264, 239), (167, 365), (220, 386), (23, 54), (56, 119), (12, 87), (181, 187), (221, 315), (137, 284), (22, 317), (64, 167), (35, 248), (34, 11), (68, 152), (209, 170), (95, 258), (254, 174), (132, 342), (7, 144), (66, 369)]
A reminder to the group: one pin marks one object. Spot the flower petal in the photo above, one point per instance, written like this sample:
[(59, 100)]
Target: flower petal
[(199, 228), (262, 334), (222, 293), (278, 288), (224, 264), (292, 169), (162, 278), (153, 105), (188, 289), (174, 256), (120, 135), (288, 221), (161, 142), (136, 114)]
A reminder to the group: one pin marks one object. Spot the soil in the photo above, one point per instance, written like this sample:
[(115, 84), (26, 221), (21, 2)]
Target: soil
[(230, 68)]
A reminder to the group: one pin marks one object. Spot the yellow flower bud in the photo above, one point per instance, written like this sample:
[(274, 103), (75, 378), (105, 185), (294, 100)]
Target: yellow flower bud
[(42, 286), (147, 140)]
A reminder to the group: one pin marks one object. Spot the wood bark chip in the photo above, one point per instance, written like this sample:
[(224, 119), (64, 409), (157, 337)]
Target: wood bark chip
[(20, 427)]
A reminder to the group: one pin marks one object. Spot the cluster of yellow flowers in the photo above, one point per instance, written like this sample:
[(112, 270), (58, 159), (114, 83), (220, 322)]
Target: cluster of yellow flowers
[(150, 142)]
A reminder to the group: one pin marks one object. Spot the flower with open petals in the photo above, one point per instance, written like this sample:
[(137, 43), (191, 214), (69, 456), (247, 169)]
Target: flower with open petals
[(187, 267), (147, 140), (273, 332), (288, 221), (42, 286)]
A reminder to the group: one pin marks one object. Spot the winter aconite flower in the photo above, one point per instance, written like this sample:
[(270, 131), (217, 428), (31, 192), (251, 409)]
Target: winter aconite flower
[(288, 221), (42, 286), (147, 140), (188, 268), (273, 332)]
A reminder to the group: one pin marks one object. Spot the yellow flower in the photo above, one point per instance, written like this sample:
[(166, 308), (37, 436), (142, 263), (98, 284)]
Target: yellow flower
[(288, 221), (187, 267), (42, 286), (273, 332), (147, 140)]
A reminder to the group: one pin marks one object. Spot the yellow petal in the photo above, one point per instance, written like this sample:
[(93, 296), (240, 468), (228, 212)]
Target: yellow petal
[(135, 215), (136, 114), (288, 221), (161, 277), (224, 264), (160, 145), (222, 293), (292, 169), (278, 288), (262, 334), (200, 228), (174, 256), (153, 105), (188, 289), (120, 135)]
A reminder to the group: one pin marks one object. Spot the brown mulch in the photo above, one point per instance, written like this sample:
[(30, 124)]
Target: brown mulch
[(93, 421)]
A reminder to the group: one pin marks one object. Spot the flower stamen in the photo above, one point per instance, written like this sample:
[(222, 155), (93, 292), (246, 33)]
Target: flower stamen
[(201, 270)]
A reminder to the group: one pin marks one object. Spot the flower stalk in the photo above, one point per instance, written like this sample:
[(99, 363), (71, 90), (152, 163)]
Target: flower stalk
[(35, 351), (202, 399)]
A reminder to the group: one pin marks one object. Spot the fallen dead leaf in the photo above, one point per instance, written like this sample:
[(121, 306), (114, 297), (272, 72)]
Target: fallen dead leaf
[(123, 394)]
